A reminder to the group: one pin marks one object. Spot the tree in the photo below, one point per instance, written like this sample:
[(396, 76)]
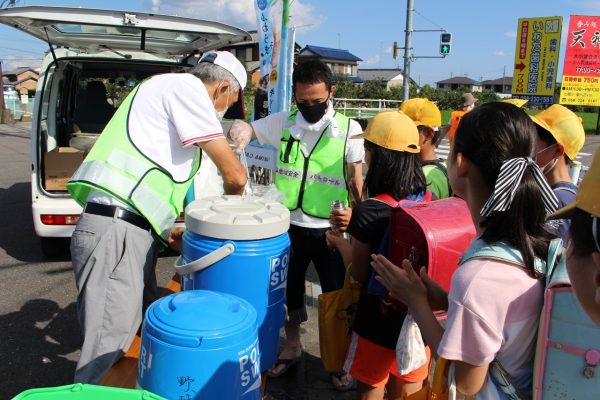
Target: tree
[(374, 89), (345, 88)]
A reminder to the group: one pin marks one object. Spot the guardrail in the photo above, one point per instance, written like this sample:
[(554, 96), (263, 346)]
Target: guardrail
[(364, 108)]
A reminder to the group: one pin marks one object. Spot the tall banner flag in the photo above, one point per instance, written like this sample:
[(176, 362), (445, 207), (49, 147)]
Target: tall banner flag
[(536, 59), (282, 98), (275, 73), (581, 71)]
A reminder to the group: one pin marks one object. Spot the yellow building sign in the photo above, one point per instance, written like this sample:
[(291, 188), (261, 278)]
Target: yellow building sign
[(536, 59)]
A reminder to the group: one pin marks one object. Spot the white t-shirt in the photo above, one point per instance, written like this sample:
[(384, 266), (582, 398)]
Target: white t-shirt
[(493, 312), (268, 131), (169, 114)]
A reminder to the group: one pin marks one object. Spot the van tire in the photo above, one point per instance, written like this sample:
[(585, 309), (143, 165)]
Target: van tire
[(55, 247)]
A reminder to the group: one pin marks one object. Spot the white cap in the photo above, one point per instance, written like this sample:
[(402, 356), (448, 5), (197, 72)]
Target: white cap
[(228, 61)]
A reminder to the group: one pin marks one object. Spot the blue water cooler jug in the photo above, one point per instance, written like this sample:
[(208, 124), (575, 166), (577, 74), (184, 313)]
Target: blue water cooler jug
[(239, 245), (200, 345)]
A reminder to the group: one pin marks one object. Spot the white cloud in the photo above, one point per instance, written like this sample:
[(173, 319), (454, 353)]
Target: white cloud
[(234, 12), (373, 60), (388, 50), (500, 53), (512, 34)]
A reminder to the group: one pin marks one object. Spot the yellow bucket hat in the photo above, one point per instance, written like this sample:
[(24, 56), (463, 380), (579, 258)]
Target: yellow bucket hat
[(392, 130), (422, 112), (516, 102), (565, 126)]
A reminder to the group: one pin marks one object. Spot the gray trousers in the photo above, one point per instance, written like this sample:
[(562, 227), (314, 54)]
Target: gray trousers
[(114, 264)]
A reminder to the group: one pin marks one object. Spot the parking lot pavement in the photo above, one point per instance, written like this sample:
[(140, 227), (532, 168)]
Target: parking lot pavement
[(308, 380)]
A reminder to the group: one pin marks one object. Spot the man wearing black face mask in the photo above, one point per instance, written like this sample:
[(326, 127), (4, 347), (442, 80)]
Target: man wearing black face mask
[(315, 165)]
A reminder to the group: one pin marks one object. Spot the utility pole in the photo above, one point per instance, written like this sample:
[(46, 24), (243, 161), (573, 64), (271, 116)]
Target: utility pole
[(407, 49), (1, 98)]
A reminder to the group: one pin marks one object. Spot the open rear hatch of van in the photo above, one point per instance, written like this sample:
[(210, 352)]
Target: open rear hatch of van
[(111, 56), (94, 30)]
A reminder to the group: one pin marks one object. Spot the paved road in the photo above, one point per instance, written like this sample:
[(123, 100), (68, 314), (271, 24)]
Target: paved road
[(585, 156), (39, 334)]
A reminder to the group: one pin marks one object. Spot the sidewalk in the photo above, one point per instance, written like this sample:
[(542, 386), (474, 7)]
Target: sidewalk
[(307, 380)]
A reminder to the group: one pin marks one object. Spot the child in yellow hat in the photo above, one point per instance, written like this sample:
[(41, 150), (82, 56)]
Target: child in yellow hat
[(583, 253), (560, 136)]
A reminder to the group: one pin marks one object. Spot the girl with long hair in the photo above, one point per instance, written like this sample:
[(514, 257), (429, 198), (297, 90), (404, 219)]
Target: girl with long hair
[(391, 143), (493, 306)]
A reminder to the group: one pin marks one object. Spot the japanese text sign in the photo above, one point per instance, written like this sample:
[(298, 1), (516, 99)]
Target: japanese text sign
[(536, 59), (581, 72)]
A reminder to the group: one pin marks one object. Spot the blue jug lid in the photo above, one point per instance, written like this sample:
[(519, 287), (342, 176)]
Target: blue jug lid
[(201, 318), (233, 217)]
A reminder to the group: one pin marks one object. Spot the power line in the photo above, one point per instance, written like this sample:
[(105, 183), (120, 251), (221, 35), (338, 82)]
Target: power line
[(427, 19), (21, 50)]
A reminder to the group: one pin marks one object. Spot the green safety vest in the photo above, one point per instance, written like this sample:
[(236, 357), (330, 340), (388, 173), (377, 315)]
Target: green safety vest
[(312, 183), (116, 167)]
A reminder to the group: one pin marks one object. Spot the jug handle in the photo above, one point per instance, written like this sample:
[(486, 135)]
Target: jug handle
[(205, 261)]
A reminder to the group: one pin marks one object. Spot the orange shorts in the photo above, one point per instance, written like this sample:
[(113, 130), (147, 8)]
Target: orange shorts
[(372, 364)]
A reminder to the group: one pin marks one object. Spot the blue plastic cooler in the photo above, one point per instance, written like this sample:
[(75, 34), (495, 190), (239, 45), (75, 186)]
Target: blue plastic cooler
[(198, 345), (239, 245)]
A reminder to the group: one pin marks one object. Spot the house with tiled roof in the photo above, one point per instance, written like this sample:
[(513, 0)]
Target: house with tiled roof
[(500, 86), (22, 78), (459, 83), (340, 61), (390, 76)]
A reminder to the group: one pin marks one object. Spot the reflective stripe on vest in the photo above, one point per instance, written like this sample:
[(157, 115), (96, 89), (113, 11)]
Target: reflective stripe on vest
[(312, 183), (334, 181), (116, 167)]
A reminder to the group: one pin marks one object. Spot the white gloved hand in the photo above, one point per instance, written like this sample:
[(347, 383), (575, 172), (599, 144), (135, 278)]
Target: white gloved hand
[(241, 134)]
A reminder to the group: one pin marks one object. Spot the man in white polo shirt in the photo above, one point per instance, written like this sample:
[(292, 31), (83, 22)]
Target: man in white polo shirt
[(132, 185)]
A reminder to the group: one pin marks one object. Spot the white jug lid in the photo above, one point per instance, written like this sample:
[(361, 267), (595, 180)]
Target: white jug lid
[(237, 218)]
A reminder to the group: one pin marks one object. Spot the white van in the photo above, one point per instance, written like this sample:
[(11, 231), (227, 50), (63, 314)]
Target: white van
[(96, 57)]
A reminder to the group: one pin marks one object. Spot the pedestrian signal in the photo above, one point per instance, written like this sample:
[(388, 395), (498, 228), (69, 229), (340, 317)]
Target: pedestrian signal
[(445, 41)]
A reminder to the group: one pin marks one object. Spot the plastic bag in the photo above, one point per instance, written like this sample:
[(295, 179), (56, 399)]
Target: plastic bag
[(410, 349)]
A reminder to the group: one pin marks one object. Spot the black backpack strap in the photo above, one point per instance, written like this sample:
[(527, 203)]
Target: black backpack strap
[(436, 163)]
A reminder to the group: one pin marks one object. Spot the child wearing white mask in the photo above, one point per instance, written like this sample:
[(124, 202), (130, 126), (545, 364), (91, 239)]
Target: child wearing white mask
[(560, 136)]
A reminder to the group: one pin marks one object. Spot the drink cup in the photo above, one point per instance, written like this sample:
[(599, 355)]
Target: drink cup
[(574, 172), (337, 205)]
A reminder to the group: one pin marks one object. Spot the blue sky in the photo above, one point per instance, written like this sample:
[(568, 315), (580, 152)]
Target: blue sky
[(483, 41)]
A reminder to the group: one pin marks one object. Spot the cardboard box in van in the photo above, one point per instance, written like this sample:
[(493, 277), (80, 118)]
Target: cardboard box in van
[(60, 164)]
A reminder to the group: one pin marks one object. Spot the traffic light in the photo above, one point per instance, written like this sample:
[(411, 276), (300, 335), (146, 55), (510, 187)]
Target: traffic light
[(445, 43)]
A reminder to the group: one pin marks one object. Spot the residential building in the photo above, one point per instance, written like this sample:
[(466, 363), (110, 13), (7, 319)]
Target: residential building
[(392, 77), (248, 52), (500, 86), (23, 79), (340, 61), (459, 83)]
